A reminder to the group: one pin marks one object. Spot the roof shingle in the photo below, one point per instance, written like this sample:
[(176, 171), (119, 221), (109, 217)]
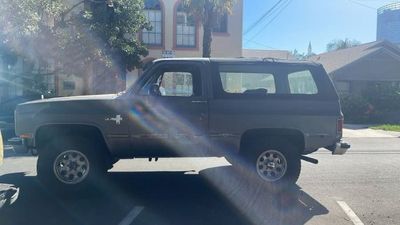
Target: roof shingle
[(335, 60)]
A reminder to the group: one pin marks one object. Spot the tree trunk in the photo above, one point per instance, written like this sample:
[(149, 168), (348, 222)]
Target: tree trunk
[(207, 39), (207, 27), (85, 85), (86, 79)]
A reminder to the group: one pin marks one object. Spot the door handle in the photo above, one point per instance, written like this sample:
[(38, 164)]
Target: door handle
[(199, 101)]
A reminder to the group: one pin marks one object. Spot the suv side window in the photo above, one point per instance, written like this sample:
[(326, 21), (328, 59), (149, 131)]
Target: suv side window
[(176, 84), (302, 82), (247, 82), (174, 80)]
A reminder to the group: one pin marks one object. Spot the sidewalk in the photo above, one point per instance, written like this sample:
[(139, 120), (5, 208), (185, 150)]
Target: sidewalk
[(356, 130)]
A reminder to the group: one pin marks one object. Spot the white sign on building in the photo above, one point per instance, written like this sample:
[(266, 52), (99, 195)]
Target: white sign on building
[(168, 54)]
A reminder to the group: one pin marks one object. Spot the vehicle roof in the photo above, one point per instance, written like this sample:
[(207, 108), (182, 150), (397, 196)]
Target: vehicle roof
[(242, 60)]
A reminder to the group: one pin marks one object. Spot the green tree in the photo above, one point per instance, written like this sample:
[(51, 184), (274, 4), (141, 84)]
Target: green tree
[(208, 11), (338, 44), (77, 37), (298, 55)]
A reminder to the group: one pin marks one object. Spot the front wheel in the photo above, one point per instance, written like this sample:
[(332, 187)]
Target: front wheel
[(70, 164)]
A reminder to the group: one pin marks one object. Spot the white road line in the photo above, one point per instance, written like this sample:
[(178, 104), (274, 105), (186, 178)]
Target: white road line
[(131, 215), (350, 213)]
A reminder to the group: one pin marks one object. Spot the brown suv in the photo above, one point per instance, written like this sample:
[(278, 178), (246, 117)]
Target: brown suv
[(270, 113)]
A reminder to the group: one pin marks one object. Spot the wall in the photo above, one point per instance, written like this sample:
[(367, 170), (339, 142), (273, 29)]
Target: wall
[(223, 44), (259, 53), (381, 66)]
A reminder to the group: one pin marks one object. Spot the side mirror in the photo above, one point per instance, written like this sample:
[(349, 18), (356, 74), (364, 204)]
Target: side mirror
[(154, 90)]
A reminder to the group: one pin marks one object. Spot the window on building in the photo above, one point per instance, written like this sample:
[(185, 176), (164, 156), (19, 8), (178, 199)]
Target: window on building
[(50, 84), (153, 12), (13, 80), (16, 87), (302, 82), (343, 87), (221, 24), (68, 85), (185, 28)]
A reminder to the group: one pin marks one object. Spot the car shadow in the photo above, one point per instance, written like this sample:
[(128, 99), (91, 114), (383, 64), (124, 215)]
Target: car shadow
[(161, 198)]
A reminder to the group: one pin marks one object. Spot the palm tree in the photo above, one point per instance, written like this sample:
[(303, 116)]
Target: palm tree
[(341, 44), (208, 11)]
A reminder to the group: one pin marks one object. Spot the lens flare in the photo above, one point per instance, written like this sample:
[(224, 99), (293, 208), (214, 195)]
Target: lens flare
[(239, 185)]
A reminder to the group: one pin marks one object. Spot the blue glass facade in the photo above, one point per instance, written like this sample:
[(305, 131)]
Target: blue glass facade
[(389, 23)]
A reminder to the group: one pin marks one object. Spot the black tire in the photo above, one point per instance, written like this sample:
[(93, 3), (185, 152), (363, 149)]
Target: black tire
[(293, 163), (81, 150)]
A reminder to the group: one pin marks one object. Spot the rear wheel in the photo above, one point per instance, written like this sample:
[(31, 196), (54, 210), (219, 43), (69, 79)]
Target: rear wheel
[(70, 164), (271, 165), (276, 164)]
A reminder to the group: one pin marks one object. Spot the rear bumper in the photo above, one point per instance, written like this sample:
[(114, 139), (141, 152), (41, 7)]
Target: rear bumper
[(340, 148)]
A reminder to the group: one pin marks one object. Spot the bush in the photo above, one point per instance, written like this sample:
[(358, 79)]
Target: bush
[(383, 97), (355, 108), (380, 103)]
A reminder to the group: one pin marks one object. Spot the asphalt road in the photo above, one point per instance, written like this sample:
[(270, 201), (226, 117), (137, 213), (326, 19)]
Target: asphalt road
[(361, 187)]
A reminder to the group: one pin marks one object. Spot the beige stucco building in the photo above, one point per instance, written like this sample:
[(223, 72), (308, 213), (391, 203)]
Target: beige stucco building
[(176, 34), (261, 53)]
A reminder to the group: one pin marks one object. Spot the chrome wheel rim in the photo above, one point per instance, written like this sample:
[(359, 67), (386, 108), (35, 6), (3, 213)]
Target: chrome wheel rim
[(71, 167), (271, 165)]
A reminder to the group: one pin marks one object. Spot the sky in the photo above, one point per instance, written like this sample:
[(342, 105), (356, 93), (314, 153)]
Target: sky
[(304, 21)]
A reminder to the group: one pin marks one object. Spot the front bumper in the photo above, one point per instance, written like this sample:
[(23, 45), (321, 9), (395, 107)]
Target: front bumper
[(340, 148)]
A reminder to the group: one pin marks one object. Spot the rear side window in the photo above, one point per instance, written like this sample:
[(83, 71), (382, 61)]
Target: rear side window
[(302, 82), (247, 82), (265, 80)]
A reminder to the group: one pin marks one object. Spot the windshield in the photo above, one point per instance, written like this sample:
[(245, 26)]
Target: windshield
[(200, 112)]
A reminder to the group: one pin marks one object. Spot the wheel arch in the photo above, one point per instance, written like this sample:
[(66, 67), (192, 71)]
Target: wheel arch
[(269, 135), (45, 133)]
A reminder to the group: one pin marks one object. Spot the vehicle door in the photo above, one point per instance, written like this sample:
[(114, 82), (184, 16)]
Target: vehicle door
[(172, 114)]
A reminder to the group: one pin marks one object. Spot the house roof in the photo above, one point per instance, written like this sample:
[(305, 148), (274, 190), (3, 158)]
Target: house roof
[(259, 53), (335, 60)]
